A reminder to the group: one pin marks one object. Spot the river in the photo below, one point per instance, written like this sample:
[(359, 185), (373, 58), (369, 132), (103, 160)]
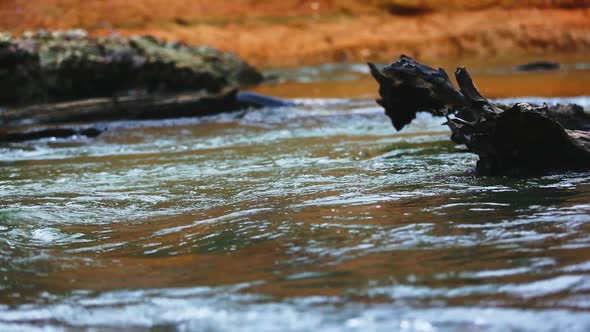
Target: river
[(316, 217)]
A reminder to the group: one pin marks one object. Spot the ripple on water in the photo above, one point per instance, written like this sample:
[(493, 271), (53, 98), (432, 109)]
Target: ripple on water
[(215, 310), (316, 217)]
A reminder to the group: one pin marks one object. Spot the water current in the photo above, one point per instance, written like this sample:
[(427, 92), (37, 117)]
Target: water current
[(317, 217)]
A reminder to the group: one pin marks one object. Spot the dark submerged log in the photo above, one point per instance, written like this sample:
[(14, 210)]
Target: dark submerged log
[(522, 139), (199, 103), (188, 104), (257, 100), (195, 104), (9, 137)]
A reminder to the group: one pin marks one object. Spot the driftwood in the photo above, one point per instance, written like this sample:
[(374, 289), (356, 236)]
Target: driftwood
[(123, 108), (189, 104), (13, 122), (521, 139)]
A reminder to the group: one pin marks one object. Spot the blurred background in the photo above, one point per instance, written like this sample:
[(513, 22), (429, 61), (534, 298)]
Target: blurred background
[(283, 33), (313, 217)]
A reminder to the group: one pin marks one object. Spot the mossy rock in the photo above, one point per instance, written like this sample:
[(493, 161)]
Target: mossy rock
[(67, 65)]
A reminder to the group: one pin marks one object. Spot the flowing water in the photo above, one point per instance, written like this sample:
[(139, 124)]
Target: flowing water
[(317, 217)]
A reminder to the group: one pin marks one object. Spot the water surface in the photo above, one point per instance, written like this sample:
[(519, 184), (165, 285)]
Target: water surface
[(317, 217)]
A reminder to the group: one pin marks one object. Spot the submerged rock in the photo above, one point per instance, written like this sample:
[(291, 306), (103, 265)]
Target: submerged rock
[(538, 66), (68, 65)]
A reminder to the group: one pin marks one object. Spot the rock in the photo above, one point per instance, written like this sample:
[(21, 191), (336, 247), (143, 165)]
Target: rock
[(69, 65), (538, 66)]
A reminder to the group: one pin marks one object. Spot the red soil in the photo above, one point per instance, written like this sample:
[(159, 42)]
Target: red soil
[(293, 32)]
